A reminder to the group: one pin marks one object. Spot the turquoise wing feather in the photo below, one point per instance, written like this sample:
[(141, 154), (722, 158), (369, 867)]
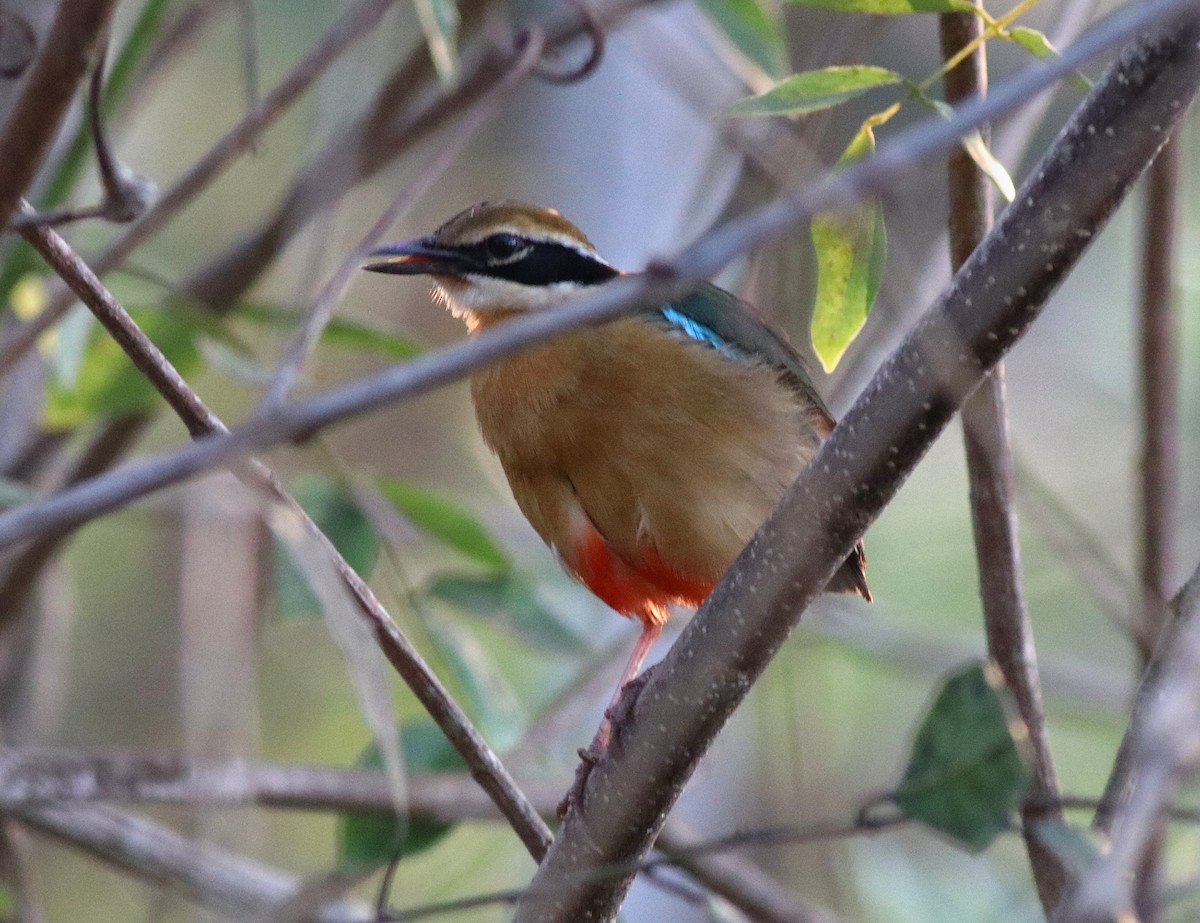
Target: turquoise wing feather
[(725, 322)]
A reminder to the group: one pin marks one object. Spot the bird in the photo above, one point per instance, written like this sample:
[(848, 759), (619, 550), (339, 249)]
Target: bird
[(646, 451)]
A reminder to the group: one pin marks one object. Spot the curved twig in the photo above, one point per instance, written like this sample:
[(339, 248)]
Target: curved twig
[(594, 32)]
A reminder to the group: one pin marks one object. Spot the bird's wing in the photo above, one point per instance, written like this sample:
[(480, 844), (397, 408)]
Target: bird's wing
[(725, 322)]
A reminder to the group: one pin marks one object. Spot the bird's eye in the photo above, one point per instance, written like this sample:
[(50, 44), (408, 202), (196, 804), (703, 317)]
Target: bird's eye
[(504, 248)]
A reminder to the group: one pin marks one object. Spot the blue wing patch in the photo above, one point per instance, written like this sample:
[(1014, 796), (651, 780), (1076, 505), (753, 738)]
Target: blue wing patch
[(700, 333)]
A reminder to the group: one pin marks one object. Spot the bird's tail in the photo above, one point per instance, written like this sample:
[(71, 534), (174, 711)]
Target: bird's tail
[(851, 577)]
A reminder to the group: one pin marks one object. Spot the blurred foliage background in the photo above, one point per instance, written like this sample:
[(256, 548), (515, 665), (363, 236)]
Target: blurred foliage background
[(163, 629)]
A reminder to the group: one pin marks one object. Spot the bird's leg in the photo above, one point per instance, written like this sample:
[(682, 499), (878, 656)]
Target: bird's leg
[(618, 708)]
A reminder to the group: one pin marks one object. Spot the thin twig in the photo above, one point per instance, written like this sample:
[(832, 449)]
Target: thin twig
[(660, 282), (1160, 450), (390, 125), (231, 885), (34, 777), (126, 195), (302, 344), (354, 25), (1159, 380), (112, 442), (990, 472), (736, 879), (997, 294), (1161, 746), (66, 55), (200, 421)]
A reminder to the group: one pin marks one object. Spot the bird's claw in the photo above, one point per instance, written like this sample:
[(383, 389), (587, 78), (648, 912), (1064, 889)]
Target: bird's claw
[(616, 717), (588, 758)]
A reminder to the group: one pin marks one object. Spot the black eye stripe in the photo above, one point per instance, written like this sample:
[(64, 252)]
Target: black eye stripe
[(543, 263)]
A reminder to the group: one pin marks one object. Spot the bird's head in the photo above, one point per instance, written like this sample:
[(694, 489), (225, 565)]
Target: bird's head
[(499, 257)]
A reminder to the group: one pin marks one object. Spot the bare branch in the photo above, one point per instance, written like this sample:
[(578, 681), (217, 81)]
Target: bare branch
[(1161, 745), (126, 195), (238, 887), (993, 300), (200, 421), (66, 55), (322, 310), (737, 880), (990, 471), (660, 282), (113, 440), (355, 24), (1160, 417), (402, 114), (1160, 450)]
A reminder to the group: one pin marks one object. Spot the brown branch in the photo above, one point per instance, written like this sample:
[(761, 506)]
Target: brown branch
[(200, 421), (391, 125), (736, 879), (1160, 423), (231, 885), (34, 778), (354, 25), (993, 300), (990, 472), (1160, 450), (305, 340), (661, 281), (66, 55), (1158, 750)]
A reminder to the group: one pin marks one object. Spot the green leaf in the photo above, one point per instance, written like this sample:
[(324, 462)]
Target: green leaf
[(445, 520), (967, 775), (334, 510), (812, 91), (1032, 41), (753, 31), (891, 7), (973, 144), (514, 598), (338, 332), (368, 840), (851, 248), (108, 384), (1041, 47), (851, 251)]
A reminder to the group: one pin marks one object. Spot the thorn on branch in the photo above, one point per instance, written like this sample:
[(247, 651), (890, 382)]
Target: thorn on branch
[(126, 195)]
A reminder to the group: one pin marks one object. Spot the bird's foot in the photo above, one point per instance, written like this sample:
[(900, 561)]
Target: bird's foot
[(617, 717), (588, 757), (619, 714)]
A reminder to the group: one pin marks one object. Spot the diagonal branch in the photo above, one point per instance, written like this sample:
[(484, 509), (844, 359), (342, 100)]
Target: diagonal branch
[(200, 421), (1160, 747), (994, 298), (662, 281), (990, 471), (355, 24), (231, 885)]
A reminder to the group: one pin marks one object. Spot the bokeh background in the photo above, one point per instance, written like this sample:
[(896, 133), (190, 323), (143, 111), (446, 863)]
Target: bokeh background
[(158, 629)]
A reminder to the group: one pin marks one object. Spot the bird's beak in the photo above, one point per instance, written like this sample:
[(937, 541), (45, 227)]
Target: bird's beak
[(416, 258)]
